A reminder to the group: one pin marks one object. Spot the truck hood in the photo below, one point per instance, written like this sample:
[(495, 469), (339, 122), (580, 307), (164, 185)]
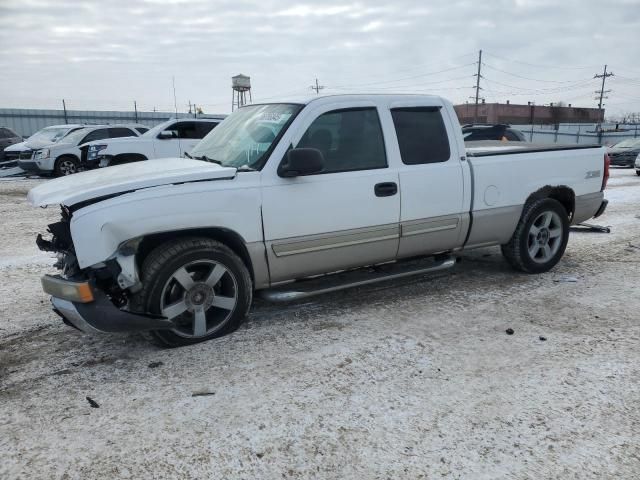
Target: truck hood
[(111, 181)]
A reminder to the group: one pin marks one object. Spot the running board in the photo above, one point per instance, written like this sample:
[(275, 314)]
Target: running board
[(353, 278)]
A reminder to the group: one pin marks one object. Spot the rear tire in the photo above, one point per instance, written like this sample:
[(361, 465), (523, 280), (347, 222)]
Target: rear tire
[(66, 166), (540, 238), (638, 172), (198, 283)]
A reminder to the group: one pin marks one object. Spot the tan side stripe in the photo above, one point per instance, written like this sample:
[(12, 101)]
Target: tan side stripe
[(420, 227), (336, 241)]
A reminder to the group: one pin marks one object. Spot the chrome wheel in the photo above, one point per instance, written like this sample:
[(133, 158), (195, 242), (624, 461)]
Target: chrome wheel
[(545, 237), (67, 167), (199, 298)]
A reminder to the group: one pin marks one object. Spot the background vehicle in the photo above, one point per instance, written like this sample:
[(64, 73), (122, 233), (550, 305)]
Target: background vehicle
[(63, 157), (169, 139), (46, 136), (476, 132), (637, 165), (297, 190), (7, 138), (624, 153)]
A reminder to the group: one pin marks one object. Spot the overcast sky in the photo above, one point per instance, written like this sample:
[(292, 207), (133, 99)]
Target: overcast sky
[(103, 55)]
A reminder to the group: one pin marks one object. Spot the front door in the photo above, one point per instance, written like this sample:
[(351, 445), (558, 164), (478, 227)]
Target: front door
[(345, 216)]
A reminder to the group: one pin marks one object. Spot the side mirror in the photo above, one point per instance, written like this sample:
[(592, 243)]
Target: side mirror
[(166, 134), (301, 161)]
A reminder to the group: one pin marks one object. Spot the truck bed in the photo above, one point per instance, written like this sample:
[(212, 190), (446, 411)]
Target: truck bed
[(485, 148)]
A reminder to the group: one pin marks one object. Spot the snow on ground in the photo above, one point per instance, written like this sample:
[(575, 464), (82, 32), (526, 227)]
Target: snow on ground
[(410, 379)]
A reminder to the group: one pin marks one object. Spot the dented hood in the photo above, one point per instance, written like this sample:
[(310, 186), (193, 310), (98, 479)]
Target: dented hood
[(110, 181)]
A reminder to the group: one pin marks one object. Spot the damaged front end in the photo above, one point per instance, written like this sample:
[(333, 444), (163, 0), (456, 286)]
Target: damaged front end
[(93, 299)]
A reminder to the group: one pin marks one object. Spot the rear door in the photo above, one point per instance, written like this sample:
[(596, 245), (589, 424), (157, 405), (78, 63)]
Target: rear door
[(345, 216), (432, 216)]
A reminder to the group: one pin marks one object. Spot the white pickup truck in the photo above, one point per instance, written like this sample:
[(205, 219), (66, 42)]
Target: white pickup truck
[(294, 199)]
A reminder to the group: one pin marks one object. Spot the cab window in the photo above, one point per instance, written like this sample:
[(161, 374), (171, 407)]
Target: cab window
[(349, 139)]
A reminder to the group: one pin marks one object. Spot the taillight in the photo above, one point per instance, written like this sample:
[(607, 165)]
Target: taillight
[(605, 177)]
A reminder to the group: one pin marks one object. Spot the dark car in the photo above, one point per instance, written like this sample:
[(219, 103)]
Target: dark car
[(7, 137), (502, 132), (624, 153)]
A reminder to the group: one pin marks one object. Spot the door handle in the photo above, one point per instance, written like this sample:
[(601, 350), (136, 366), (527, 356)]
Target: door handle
[(385, 189)]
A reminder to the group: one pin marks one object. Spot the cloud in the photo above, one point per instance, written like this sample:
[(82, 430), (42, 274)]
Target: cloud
[(100, 55)]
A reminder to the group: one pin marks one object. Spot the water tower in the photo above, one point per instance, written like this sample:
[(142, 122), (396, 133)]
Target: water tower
[(240, 85)]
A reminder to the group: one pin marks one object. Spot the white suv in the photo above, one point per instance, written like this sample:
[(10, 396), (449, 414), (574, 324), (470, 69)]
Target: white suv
[(172, 138), (63, 157)]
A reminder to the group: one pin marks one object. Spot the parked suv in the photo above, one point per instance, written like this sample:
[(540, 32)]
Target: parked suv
[(63, 157), (172, 138), (505, 133), (7, 138), (46, 136)]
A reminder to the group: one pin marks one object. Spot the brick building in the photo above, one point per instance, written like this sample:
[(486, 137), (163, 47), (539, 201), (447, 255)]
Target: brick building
[(527, 114)]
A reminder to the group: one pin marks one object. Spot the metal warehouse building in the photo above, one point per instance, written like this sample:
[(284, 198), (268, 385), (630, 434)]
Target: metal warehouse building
[(27, 121)]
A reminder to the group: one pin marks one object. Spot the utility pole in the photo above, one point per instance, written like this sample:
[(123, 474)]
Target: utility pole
[(64, 107), (478, 88), (189, 107), (602, 92), (317, 87), (135, 108)]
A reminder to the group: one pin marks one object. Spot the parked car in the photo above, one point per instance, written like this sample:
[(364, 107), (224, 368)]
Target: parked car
[(172, 138), (292, 191), (505, 133), (637, 165), (7, 138), (52, 134), (63, 157), (624, 153)]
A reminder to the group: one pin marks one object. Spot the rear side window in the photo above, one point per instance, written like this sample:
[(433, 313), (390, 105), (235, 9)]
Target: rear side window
[(142, 130), (422, 136), (203, 128), (348, 139), (99, 134), (120, 132)]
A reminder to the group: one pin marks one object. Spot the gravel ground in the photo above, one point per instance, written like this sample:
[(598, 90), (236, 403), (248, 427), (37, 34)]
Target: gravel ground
[(410, 379)]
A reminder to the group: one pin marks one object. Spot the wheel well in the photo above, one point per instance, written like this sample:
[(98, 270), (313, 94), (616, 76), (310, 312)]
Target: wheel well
[(67, 155), (562, 194), (127, 158), (228, 237)]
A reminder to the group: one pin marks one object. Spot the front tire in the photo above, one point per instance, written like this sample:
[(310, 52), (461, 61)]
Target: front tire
[(199, 284), (540, 238), (66, 166), (638, 172)]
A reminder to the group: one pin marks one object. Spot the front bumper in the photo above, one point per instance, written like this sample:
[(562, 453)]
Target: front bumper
[(100, 315), (30, 166)]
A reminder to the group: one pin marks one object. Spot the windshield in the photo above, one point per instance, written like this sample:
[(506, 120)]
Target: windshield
[(50, 134), (629, 143), (246, 137), (77, 135)]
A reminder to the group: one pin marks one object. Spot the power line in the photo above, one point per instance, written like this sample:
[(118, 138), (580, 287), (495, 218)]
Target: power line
[(537, 65), (317, 87), (528, 78), (406, 78), (604, 77), (478, 76)]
